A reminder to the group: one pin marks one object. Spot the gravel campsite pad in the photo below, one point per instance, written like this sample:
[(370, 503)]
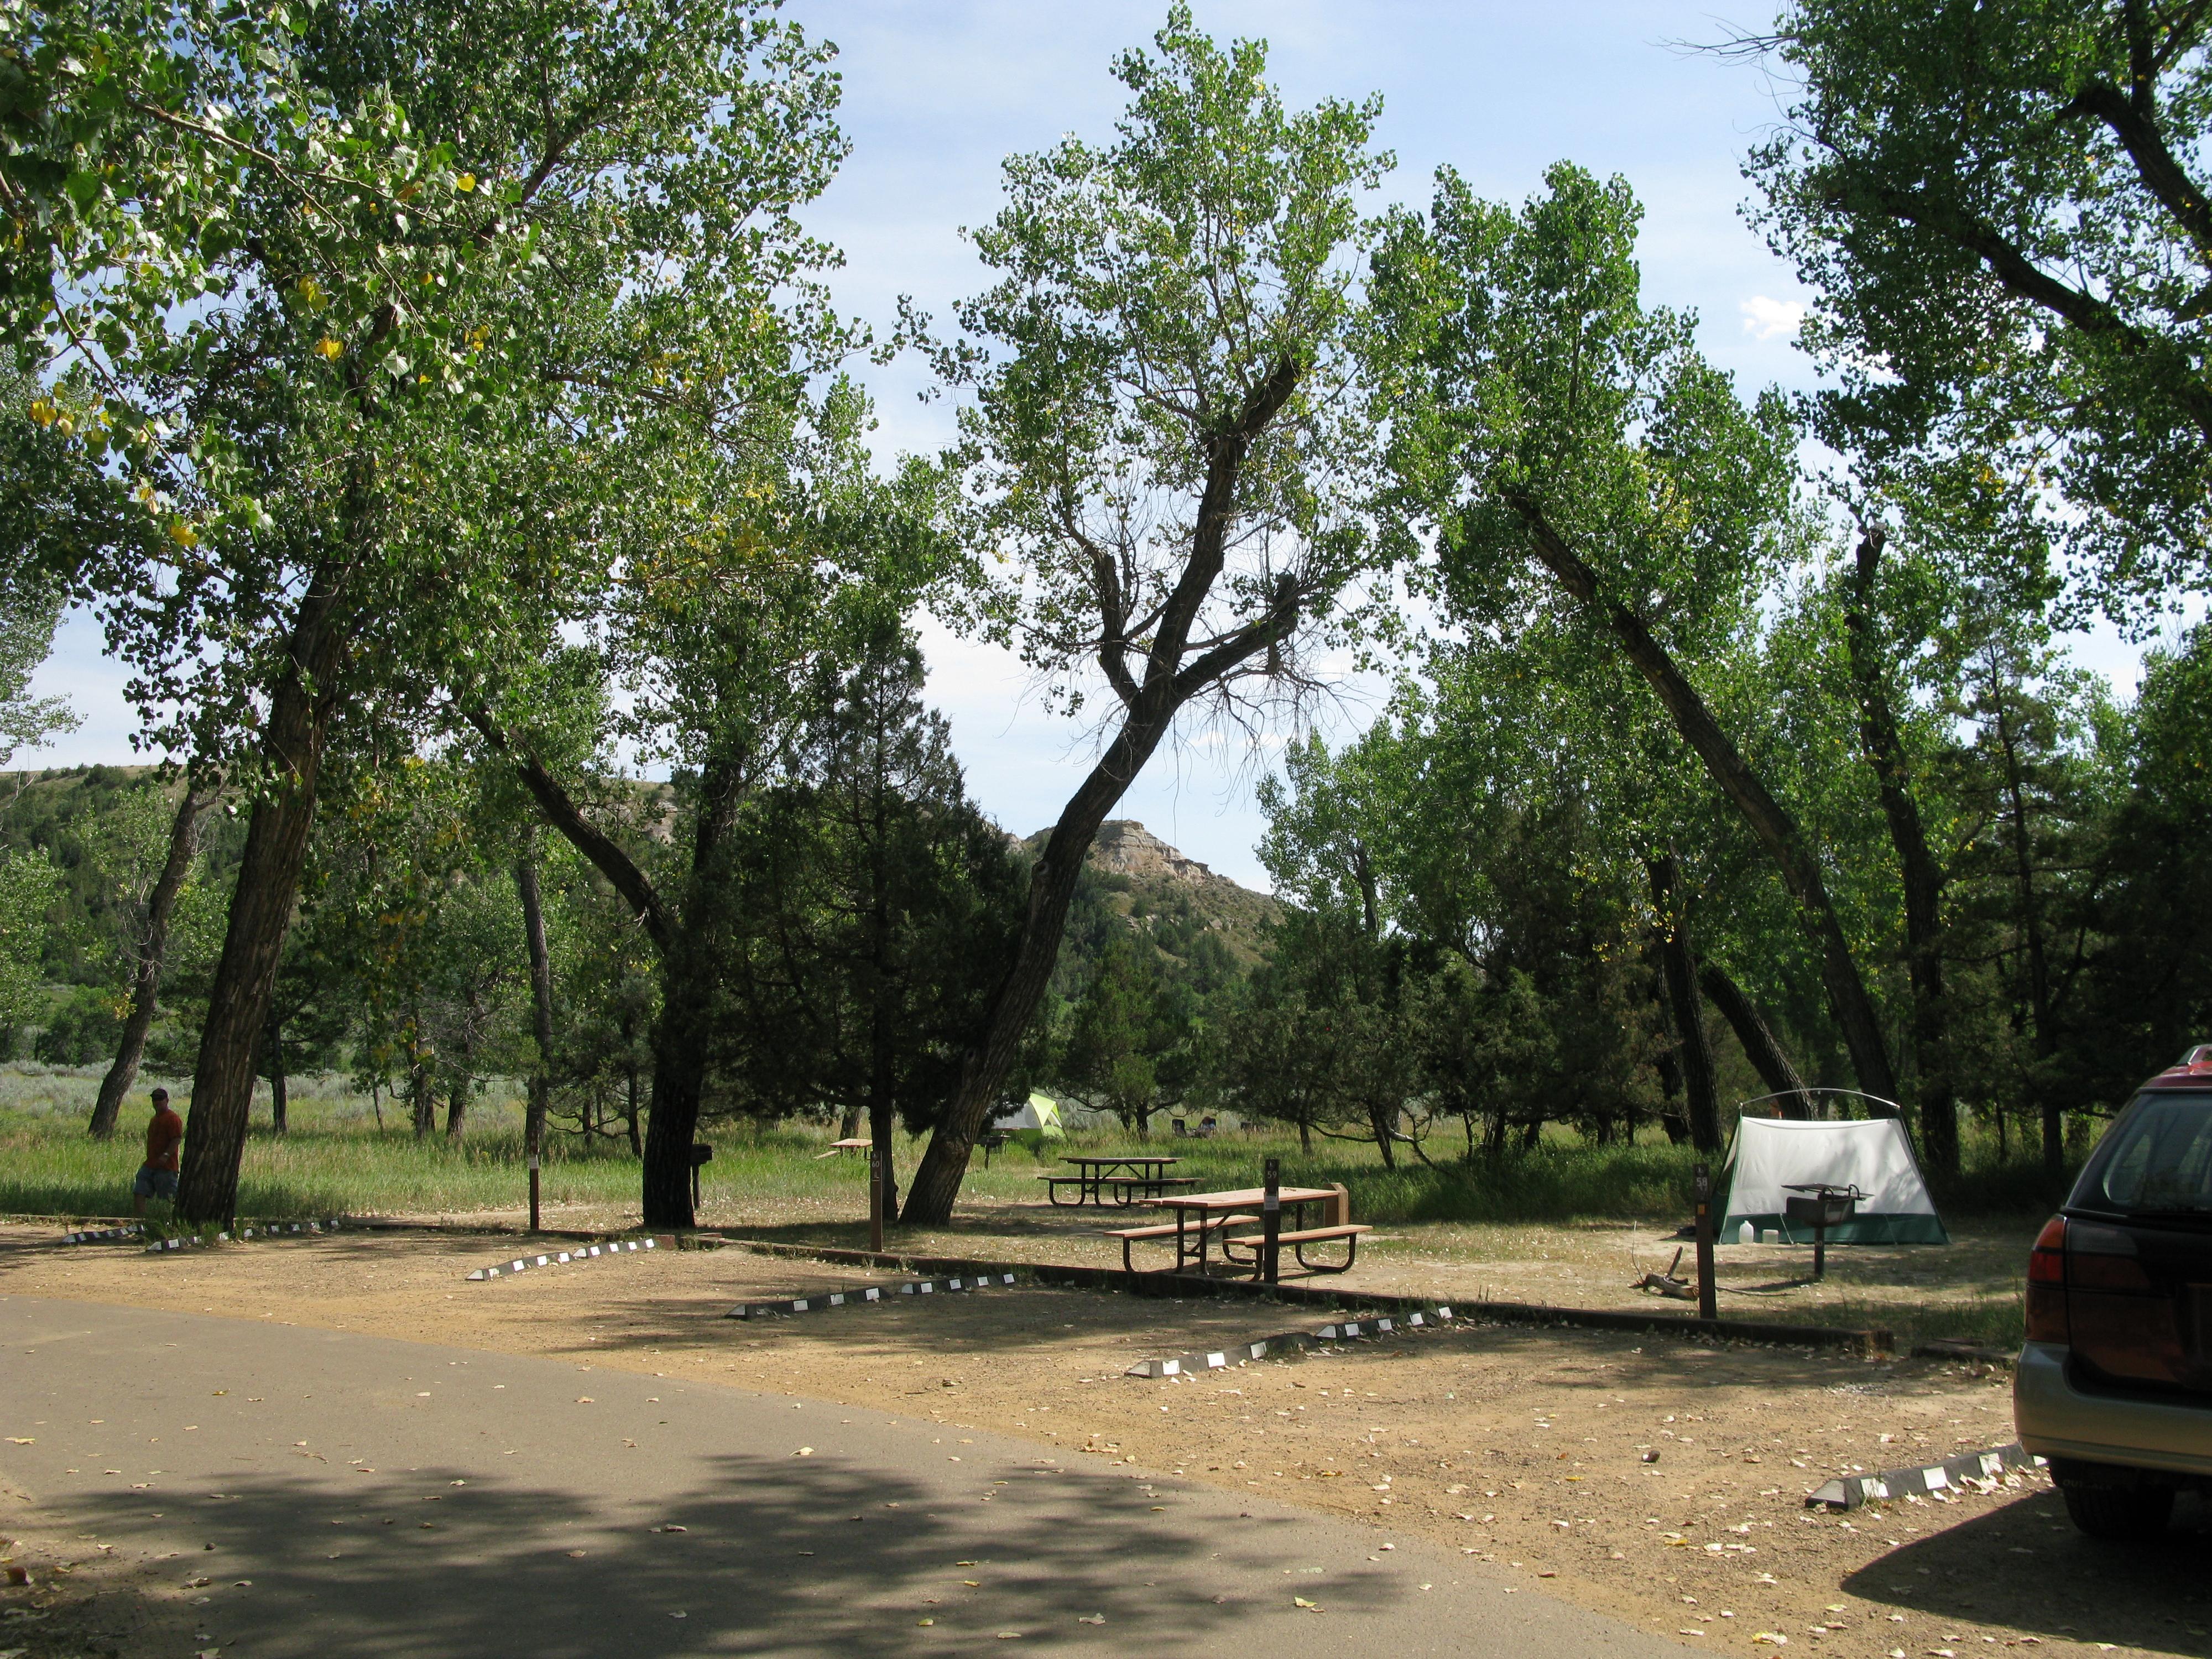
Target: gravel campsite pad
[(1656, 1478)]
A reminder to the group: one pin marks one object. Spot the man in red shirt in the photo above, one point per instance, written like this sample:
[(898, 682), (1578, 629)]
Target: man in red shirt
[(157, 1175)]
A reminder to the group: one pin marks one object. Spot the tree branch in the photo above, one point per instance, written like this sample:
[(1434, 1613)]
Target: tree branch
[(2136, 128), (2019, 274), (564, 814), (1224, 461)]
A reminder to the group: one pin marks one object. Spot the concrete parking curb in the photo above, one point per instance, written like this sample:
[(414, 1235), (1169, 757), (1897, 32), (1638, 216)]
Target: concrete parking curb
[(1291, 1345), (861, 1295), (1982, 1470), (565, 1258), (273, 1229), (102, 1235)]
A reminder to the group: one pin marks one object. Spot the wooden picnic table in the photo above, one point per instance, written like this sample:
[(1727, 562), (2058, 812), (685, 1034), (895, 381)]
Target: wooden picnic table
[(857, 1143), (1206, 1206), (1132, 1174)]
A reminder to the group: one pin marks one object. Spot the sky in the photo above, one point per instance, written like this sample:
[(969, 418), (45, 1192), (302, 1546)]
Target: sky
[(937, 92)]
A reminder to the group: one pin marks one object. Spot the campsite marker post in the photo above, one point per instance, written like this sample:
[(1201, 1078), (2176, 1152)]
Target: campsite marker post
[(1709, 1301), (1271, 1221), (875, 1200)]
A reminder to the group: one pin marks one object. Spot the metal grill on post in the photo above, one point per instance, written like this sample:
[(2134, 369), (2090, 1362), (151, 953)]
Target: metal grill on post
[(1271, 1221), (702, 1153)]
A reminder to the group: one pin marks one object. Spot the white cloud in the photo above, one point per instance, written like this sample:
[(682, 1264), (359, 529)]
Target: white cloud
[(1766, 319)]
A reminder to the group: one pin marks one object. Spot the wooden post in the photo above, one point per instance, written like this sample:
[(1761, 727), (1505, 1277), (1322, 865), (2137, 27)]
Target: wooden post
[(1708, 1306), (875, 1201), (533, 1190), (1271, 1221)]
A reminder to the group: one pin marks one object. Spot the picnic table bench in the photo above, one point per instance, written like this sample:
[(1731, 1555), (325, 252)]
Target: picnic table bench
[(1348, 1231), (1132, 1176), (1126, 1189), (1130, 1235)]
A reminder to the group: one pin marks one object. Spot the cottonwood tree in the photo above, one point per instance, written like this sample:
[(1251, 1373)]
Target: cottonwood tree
[(148, 892), (2001, 207), (1546, 417), (599, 219), (1163, 454), (726, 598)]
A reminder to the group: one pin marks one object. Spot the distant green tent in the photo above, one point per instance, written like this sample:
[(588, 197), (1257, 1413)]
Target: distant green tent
[(1034, 1123)]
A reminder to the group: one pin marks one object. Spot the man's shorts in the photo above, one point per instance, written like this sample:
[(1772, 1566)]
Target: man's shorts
[(154, 1183)]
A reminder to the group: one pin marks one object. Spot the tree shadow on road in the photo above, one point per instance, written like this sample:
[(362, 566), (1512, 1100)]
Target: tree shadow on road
[(777, 1555)]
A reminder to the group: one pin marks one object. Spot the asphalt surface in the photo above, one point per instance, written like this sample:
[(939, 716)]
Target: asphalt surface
[(397, 1499)]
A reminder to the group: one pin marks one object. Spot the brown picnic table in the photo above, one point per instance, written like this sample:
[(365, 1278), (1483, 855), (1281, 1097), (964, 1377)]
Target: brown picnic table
[(1131, 1176), (1199, 1217)]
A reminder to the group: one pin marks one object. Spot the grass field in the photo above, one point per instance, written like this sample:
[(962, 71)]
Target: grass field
[(336, 1161)]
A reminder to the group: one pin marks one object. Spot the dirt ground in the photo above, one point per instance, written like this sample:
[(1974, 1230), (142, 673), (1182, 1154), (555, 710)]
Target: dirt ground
[(1525, 1448), (1971, 1289)]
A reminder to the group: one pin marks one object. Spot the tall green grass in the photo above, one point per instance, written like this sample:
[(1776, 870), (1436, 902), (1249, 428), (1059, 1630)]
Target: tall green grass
[(336, 1161)]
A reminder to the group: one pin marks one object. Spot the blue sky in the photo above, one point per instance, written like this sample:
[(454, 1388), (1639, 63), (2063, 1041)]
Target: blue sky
[(938, 92)]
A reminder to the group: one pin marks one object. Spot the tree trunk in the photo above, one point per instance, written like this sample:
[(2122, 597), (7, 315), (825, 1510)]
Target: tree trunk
[(424, 1102), (1922, 877), (680, 1077), (1681, 969), (1150, 704), (456, 1108), (1766, 1053), (300, 710), (145, 989), (541, 1003), (1672, 1117), (1771, 824), (880, 1122), (1379, 1121), (279, 1096), (2044, 1021), (1052, 888)]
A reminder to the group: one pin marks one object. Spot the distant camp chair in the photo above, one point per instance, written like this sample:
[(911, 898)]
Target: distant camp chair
[(1182, 1129)]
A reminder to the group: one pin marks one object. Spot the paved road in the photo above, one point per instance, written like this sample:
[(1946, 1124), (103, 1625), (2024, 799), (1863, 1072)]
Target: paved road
[(394, 1499)]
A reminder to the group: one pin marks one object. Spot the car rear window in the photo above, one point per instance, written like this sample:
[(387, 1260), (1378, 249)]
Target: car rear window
[(2157, 1160)]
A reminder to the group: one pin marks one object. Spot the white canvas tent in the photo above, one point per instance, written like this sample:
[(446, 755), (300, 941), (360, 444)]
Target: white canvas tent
[(1771, 1155), (1039, 1113)]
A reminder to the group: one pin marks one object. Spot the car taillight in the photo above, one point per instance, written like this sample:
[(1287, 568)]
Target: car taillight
[(2046, 1284), (2104, 1259)]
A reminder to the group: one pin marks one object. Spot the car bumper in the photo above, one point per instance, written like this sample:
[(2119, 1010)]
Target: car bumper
[(2057, 1419)]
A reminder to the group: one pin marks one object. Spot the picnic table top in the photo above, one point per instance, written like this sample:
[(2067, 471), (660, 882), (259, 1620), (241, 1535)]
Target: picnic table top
[(1244, 1197), (1108, 1163), (857, 1140)]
